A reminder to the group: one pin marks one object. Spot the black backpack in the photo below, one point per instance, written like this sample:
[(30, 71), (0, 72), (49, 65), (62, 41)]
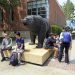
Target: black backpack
[(14, 59)]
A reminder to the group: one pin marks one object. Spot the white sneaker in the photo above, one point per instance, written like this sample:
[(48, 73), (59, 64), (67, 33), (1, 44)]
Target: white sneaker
[(52, 59), (21, 63)]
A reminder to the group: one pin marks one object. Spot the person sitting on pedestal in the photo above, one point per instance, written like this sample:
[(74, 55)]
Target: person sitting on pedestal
[(19, 46), (51, 44), (6, 45)]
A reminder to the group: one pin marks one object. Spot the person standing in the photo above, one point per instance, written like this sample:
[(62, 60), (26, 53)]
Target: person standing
[(61, 34), (65, 43)]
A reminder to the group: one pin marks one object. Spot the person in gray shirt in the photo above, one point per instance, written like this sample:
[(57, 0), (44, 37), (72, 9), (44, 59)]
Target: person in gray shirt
[(6, 45)]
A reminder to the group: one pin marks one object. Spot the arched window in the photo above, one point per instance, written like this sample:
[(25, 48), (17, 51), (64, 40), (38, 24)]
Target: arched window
[(1, 16), (11, 15)]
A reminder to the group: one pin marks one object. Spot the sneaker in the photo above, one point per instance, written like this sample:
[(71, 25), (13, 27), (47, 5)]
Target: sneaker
[(3, 59), (59, 60), (67, 62), (52, 59), (21, 63)]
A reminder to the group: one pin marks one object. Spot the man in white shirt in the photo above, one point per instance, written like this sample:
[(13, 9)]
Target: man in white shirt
[(61, 35), (6, 45)]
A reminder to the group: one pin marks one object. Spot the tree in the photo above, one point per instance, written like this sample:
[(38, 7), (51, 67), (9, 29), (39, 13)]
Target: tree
[(68, 9), (8, 4), (56, 29)]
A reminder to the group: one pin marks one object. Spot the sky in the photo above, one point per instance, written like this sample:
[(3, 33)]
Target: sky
[(61, 2)]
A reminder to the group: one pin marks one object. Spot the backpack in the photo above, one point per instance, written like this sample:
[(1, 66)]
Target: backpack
[(14, 59), (67, 37)]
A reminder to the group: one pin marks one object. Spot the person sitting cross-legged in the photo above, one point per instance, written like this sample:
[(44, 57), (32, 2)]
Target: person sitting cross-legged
[(19, 46), (6, 45)]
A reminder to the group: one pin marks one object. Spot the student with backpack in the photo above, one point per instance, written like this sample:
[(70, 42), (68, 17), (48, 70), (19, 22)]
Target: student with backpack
[(17, 53), (65, 43)]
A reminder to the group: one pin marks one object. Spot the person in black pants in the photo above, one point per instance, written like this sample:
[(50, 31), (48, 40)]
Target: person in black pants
[(65, 44)]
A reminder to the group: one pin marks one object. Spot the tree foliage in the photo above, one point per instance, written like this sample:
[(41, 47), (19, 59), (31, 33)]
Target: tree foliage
[(4, 4), (68, 8), (56, 29), (7, 4)]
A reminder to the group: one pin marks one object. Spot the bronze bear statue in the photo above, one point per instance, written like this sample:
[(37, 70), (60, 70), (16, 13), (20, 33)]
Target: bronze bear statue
[(38, 26)]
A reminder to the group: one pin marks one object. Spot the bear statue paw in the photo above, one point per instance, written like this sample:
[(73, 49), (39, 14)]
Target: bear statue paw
[(39, 46)]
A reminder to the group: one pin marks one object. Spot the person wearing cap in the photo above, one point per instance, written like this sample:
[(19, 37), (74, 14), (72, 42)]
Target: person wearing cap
[(65, 43), (51, 44), (19, 46), (6, 45)]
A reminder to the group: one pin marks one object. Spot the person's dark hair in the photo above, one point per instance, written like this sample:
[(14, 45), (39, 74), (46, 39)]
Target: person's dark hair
[(4, 31), (15, 32), (63, 28), (18, 33), (66, 28), (51, 34), (55, 34)]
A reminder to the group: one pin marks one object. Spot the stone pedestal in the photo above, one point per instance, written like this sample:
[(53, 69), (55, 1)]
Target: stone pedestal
[(36, 56), (33, 54)]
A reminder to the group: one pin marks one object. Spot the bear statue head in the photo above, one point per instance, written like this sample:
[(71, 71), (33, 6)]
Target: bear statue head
[(32, 22), (27, 21)]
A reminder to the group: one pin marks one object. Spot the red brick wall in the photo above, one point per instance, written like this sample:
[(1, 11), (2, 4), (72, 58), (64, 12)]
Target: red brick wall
[(20, 13), (56, 15)]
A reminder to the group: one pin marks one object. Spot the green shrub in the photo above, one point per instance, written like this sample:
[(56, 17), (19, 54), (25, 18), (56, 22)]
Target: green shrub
[(56, 29)]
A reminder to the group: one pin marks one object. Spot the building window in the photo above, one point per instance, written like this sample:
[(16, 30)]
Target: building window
[(11, 15), (38, 7), (1, 16)]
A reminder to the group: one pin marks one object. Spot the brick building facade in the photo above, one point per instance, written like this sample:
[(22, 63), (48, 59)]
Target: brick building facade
[(12, 21), (53, 13)]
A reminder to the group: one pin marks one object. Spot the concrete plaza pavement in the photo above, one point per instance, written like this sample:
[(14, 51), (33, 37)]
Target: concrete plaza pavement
[(47, 69)]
